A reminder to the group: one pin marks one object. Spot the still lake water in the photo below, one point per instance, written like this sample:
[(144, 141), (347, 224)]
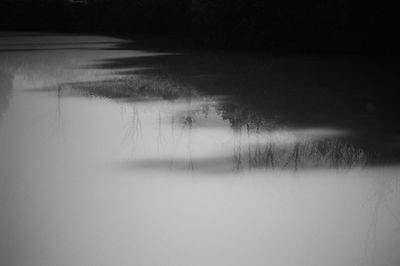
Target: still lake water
[(90, 176)]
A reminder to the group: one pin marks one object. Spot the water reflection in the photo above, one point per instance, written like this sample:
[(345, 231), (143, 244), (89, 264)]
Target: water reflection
[(6, 85), (256, 141), (151, 170), (354, 93), (259, 138), (384, 213)]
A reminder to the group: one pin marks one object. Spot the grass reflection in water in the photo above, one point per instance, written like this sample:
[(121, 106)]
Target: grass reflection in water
[(258, 141)]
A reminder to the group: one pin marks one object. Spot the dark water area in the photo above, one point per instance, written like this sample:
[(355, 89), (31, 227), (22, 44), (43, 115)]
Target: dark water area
[(352, 93)]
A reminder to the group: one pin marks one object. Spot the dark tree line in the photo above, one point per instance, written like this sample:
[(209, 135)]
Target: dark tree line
[(285, 24)]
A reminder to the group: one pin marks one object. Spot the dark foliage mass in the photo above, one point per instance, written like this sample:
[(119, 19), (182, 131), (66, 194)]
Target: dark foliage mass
[(285, 24)]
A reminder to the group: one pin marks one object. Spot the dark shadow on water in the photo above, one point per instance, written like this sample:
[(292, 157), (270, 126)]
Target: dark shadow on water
[(354, 93), (299, 156), (285, 83), (214, 165)]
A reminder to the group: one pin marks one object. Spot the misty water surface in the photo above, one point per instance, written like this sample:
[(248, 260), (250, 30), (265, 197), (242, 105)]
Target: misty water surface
[(116, 154)]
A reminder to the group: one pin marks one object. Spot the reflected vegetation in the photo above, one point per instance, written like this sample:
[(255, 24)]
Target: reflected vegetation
[(151, 159), (6, 83), (331, 153), (258, 95), (136, 87), (299, 91), (258, 141)]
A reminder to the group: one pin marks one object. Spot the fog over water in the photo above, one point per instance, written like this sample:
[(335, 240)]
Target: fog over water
[(92, 173)]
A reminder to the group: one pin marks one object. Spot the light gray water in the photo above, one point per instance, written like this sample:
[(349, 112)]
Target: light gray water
[(100, 181)]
